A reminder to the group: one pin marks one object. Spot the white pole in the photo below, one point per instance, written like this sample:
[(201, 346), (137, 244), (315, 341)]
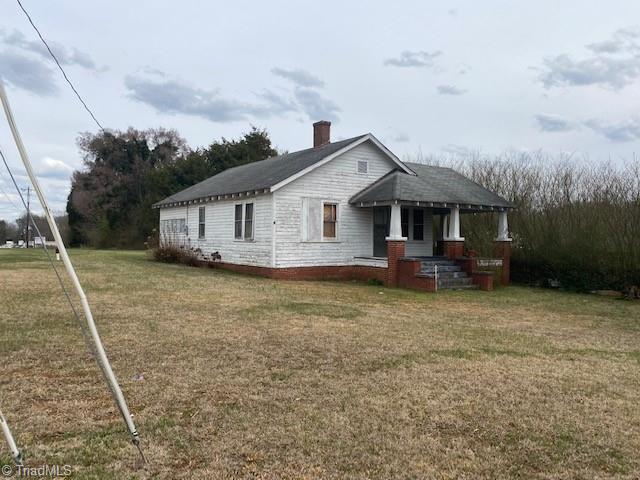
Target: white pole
[(503, 227), (454, 224), (15, 453), (102, 356), (435, 274), (395, 225)]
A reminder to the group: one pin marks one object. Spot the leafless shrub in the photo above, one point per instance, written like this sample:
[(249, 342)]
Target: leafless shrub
[(168, 248), (575, 220), (175, 254)]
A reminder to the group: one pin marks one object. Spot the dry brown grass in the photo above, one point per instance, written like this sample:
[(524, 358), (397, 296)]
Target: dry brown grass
[(253, 378)]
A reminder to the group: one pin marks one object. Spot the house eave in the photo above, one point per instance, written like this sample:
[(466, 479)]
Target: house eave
[(213, 198), (429, 204)]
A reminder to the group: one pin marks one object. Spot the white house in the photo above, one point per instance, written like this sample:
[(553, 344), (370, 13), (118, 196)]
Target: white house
[(346, 209)]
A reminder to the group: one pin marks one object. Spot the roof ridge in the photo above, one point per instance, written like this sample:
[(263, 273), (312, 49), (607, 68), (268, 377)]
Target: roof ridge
[(432, 166), (258, 175), (352, 139)]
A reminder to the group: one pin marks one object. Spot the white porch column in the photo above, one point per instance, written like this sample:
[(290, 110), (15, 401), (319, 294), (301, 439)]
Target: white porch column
[(395, 227), (503, 228), (445, 227), (454, 225)]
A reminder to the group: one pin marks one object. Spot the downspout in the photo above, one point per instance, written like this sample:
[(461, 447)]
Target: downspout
[(274, 230)]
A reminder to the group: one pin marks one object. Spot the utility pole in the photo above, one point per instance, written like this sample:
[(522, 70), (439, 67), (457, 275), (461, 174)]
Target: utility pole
[(26, 232), (100, 354)]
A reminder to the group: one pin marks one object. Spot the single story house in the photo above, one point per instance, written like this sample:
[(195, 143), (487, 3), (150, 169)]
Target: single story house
[(345, 209)]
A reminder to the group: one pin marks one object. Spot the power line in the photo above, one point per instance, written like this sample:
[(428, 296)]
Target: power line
[(35, 226), (76, 314), (64, 74), (96, 347), (2, 190)]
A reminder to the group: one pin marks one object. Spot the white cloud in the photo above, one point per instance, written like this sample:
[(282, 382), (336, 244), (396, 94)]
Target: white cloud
[(27, 74), (450, 90), (175, 97), (614, 64), (553, 123), (316, 106), (66, 56), (408, 59), (625, 131), (53, 168), (300, 77)]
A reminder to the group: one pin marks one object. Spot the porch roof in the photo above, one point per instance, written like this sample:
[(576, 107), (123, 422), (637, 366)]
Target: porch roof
[(431, 186)]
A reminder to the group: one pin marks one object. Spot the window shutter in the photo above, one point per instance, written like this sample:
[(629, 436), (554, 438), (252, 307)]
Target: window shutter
[(311, 219)]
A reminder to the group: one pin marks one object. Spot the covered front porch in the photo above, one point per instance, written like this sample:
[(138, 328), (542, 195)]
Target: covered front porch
[(426, 243), (416, 226), (427, 231)]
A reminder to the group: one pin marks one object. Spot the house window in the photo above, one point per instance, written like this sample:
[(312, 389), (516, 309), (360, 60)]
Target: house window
[(418, 224), (363, 166), (404, 221), (201, 222), (330, 220), (248, 221), (238, 223), (243, 221), (173, 226)]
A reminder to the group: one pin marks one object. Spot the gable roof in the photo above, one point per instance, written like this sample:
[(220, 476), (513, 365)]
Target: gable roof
[(437, 185), (271, 173)]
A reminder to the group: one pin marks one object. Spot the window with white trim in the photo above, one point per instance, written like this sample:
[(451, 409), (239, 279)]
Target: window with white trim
[(201, 222), (238, 223), (330, 220), (244, 219), (363, 166), (175, 225), (248, 221)]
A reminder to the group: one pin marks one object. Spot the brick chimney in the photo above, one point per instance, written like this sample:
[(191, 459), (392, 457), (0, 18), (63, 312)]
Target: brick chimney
[(321, 133)]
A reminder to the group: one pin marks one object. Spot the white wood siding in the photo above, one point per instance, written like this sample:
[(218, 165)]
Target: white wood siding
[(336, 181), (219, 230), (415, 248)]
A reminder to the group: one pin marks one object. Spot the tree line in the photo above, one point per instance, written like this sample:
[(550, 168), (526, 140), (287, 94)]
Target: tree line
[(17, 230), (575, 222), (125, 173)]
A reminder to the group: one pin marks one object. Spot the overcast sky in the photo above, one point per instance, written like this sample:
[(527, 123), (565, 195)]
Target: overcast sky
[(430, 77)]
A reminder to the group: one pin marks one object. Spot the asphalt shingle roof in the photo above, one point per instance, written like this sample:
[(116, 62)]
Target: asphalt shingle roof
[(430, 184), (257, 175)]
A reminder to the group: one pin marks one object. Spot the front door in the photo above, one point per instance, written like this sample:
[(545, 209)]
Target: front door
[(381, 222)]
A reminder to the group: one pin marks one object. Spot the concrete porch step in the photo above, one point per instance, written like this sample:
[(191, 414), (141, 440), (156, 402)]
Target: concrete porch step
[(453, 282), (440, 263), (452, 274), (443, 275), (471, 286), (441, 268)]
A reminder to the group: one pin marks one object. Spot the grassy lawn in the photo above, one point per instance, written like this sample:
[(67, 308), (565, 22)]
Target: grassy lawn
[(255, 378)]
